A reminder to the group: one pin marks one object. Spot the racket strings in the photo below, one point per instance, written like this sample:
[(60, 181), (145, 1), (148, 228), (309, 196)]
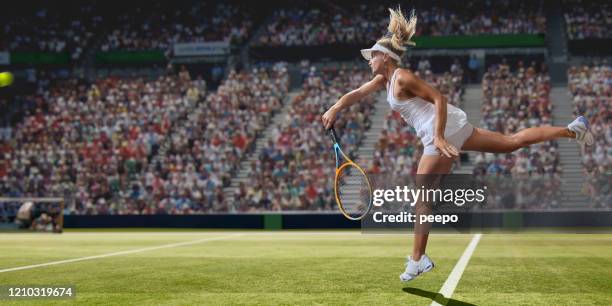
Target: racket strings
[(353, 191)]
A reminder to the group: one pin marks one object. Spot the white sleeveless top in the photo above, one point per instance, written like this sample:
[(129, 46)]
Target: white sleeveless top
[(421, 114)]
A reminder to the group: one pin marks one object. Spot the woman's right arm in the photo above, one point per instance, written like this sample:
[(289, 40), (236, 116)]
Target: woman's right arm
[(377, 83)]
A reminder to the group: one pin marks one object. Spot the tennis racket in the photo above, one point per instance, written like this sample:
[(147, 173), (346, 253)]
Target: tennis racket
[(352, 187)]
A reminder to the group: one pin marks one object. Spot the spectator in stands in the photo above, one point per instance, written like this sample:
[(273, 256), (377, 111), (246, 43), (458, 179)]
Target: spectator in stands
[(473, 67)]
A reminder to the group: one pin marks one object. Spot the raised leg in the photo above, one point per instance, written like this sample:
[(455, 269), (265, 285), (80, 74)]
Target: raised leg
[(483, 140)]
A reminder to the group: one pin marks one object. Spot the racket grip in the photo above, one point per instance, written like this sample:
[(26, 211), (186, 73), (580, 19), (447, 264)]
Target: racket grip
[(333, 135)]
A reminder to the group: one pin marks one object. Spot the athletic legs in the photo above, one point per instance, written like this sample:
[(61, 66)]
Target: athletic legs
[(429, 164), (483, 140)]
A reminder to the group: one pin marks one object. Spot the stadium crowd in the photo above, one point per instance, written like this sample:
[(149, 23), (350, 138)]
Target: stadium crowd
[(587, 19), (153, 25), (189, 173), (158, 25), (514, 101), (363, 23), (591, 90), (85, 142), (293, 170), (105, 146), (50, 29)]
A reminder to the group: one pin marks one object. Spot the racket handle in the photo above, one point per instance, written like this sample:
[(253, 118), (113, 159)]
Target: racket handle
[(333, 135)]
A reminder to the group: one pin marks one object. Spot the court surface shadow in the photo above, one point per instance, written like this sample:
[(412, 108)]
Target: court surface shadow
[(435, 296)]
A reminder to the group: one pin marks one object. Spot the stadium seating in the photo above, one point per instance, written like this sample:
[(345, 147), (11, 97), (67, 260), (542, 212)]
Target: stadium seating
[(158, 25), (85, 142), (293, 170), (365, 22), (50, 29), (104, 160), (591, 93), (514, 101), (140, 25), (587, 19), (207, 148)]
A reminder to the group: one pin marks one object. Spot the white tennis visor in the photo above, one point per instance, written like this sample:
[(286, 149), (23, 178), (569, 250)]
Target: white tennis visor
[(367, 53)]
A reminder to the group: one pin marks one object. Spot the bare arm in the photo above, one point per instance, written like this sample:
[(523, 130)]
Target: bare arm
[(377, 83), (407, 81)]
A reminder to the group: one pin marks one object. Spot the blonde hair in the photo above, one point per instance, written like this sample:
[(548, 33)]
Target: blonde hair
[(400, 32)]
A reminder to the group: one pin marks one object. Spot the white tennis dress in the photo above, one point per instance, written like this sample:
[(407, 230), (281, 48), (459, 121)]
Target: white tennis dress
[(421, 115)]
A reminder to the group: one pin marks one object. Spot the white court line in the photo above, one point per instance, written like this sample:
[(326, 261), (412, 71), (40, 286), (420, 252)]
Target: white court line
[(453, 279), (165, 246)]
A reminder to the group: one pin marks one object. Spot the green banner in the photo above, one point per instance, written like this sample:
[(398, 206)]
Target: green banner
[(130, 57), (38, 58), (480, 41), (512, 220), (273, 221)]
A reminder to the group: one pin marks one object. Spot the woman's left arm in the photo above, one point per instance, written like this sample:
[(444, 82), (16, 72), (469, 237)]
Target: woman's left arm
[(409, 82)]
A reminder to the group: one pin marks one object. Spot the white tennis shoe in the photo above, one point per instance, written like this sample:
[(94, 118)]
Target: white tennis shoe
[(416, 268), (581, 127)]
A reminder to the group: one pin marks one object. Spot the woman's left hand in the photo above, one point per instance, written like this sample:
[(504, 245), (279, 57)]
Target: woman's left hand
[(446, 148)]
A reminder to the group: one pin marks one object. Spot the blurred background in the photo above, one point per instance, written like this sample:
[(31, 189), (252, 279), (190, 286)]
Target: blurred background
[(213, 107)]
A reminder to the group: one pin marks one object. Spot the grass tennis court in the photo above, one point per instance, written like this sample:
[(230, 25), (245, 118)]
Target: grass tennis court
[(341, 267)]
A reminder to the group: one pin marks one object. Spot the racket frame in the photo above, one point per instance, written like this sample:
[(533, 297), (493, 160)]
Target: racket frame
[(349, 162)]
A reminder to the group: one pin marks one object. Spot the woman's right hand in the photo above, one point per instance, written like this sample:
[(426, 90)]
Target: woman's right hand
[(329, 118)]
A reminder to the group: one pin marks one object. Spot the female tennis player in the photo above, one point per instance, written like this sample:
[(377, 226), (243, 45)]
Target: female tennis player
[(443, 128)]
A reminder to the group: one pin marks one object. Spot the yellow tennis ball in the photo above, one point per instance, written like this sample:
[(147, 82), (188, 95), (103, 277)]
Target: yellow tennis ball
[(6, 79)]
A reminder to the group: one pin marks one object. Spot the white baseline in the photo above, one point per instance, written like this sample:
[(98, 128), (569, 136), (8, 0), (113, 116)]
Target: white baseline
[(159, 247), (453, 279)]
